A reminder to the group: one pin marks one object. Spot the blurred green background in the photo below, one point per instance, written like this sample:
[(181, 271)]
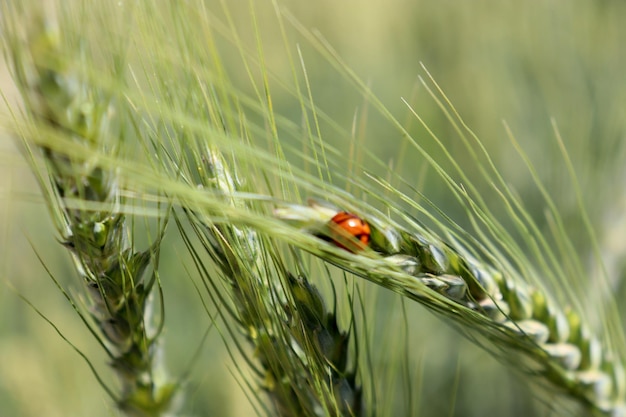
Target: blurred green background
[(525, 63)]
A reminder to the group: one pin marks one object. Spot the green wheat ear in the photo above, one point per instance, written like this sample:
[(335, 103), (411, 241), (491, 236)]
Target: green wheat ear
[(303, 353), (514, 318), (85, 200)]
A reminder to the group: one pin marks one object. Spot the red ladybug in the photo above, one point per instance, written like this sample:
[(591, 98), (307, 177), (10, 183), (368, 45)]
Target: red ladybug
[(343, 225)]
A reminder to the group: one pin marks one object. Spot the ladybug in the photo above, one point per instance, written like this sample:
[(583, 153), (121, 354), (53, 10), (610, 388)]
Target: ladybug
[(344, 225)]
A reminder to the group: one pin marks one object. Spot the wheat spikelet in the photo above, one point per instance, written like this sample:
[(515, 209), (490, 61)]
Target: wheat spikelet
[(113, 272)]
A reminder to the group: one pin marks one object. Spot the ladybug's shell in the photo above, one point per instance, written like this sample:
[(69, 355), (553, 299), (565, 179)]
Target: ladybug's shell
[(351, 225)]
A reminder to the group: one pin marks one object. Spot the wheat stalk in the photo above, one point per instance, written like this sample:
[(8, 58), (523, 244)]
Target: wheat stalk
[(85, 200)]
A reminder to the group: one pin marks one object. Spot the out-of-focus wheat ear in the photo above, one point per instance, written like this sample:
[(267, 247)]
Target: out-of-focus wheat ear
[(302, 352), (515, 318), (118, 293)]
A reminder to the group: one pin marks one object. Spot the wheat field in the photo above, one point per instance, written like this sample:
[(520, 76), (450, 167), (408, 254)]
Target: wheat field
[(205, 145)]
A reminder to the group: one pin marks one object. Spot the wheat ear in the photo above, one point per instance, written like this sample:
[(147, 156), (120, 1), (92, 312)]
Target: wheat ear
[(482, 302), (298, 342), (97, 237)]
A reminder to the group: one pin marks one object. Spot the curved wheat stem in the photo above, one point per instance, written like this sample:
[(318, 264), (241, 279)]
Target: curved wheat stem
[(112, 270)]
